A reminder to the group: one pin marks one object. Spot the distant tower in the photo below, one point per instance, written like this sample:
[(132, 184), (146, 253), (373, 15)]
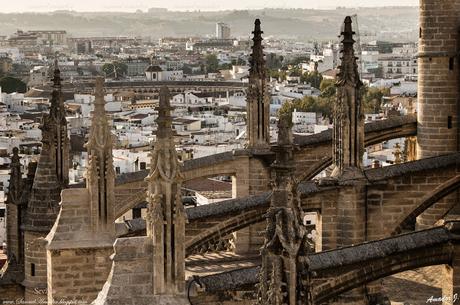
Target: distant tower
[(100, 174), (222, 31), (166, 214), (348, 113), (258, 98), (438, 78), (438, 90)]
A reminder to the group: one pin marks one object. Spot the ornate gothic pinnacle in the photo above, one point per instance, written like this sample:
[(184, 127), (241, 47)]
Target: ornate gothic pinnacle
[(15, 185), (57, 76), (348, 33), (99, 102), (100, 135), (348, 69), (285, 129), (257, 57), (348, 132), (164, 119), (100, 173), (57, 110)]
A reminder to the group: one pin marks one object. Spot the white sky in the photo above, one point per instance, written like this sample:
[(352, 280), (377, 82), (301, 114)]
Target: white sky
[(7, 6)]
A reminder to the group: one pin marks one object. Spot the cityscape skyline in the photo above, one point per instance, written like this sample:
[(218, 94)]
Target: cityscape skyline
[(182, 5)]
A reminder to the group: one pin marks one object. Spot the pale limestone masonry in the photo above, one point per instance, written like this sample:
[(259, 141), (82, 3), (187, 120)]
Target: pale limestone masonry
[(77, 257), (438, 89), (151, 269), (130, 281), (35, 267), (80, 242), (166, 215)]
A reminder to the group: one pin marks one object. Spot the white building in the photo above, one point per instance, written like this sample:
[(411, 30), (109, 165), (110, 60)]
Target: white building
[(38, 76), (396, 65), (156, 73), (304, 118)]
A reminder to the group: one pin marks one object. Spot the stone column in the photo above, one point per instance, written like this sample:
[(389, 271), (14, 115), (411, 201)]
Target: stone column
[(438, 90), (348, 149), (253, 180), (258, 98)]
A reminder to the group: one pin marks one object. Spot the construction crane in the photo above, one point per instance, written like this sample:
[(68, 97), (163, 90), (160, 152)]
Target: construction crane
[(354, 19)]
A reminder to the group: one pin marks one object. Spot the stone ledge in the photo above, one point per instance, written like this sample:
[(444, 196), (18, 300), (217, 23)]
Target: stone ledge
[(397, 170), (97, 243), (342, 257)]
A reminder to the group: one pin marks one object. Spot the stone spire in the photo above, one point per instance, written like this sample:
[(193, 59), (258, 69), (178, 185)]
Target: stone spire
[(54, 127), (100, 173), (13, 201), (15, 183), (283, 279), (52, 173), (348, 111), (166, 215), (258, 100)]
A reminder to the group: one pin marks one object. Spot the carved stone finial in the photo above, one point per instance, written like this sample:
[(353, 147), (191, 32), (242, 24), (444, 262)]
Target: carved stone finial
[(57, 76), (164, 119), (285, 129), (349, 69), (258, 99), (15, 184), (166, 214), (286, 245), (348, 135), (257, 57), (100, 173)]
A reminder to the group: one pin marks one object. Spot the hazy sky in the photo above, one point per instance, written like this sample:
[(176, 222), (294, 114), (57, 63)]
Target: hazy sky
[(132, 5)]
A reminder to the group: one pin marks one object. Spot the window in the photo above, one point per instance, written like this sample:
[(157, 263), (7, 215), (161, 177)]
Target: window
[(32, 269), (2, 213), (143, 165), (449, 122), (137, 213), (117, 170), (451, 63)]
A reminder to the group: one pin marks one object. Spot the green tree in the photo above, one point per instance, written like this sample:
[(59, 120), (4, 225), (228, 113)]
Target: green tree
[(372, 98), (115, 69), (308, 104), (212, 63), (312, 78), (327, 88), (278, 74), (10, 84)]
